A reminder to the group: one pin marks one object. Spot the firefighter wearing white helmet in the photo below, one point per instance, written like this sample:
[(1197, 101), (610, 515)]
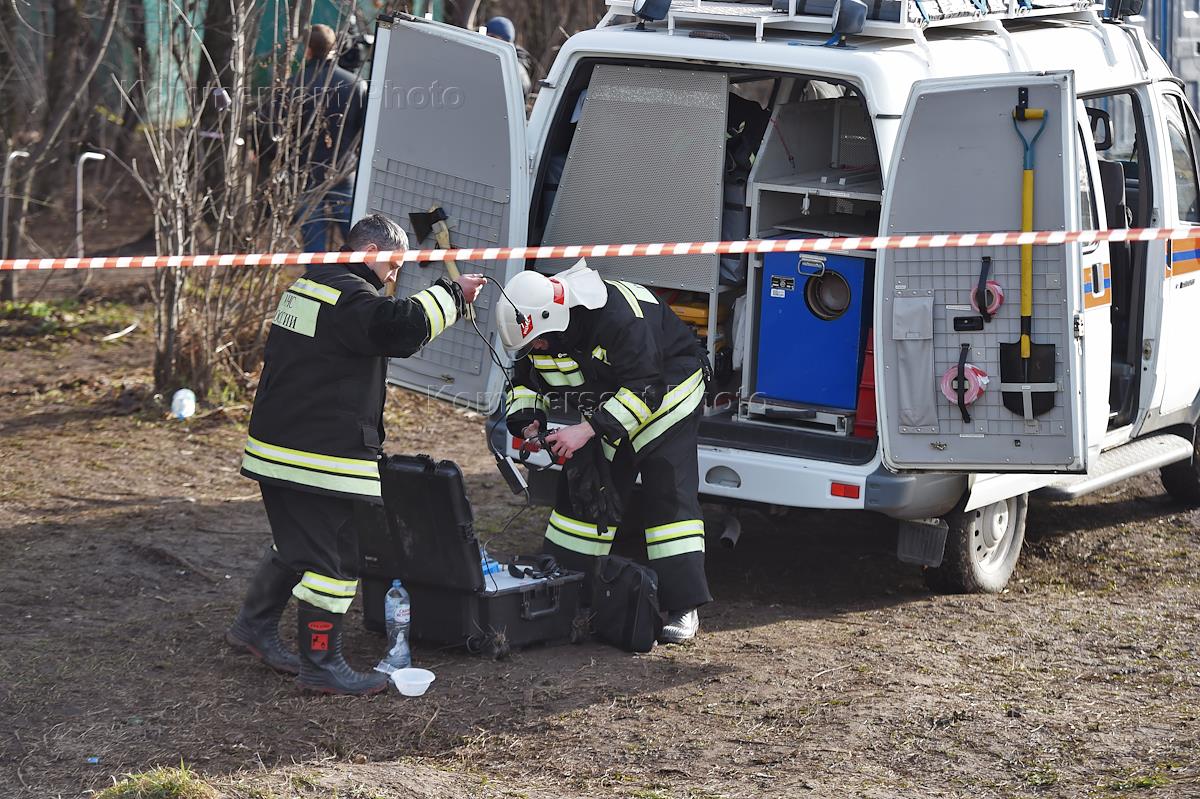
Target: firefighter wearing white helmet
[(611, 351)]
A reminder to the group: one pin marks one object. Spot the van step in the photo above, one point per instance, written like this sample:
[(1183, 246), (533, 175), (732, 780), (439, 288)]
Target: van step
[(1121, 463)]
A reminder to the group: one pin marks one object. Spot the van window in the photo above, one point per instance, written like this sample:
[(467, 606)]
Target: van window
[(1087, 201), (1123, 113), (1181, 131)]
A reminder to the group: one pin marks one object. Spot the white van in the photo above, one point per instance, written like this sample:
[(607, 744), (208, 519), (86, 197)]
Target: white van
[(845, 380)]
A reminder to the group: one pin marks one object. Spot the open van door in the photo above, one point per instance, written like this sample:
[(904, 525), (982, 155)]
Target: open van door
[(958, 167), (446, 127)]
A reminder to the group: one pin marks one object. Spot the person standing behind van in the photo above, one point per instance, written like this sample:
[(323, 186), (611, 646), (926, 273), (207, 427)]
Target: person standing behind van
[(502, 28), (333, 104)]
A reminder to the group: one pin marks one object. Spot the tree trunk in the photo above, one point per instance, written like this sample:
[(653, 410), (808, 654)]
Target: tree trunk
[(139, 49), (70, 103), (168, 290), (214, 75), (12, 93), (68, 49), (301, 19)]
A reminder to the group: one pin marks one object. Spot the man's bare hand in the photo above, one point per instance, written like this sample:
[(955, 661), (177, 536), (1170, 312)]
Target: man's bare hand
[(566, 441), (531, 430), (470, 285)]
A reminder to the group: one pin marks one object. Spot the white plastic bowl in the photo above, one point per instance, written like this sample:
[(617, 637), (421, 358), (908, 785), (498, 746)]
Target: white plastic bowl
[(412, 682)]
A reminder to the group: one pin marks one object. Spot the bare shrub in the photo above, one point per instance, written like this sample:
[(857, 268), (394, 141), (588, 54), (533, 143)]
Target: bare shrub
[(229, 172)]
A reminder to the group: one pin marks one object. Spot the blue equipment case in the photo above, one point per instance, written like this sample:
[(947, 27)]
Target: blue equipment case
[(814, 313)]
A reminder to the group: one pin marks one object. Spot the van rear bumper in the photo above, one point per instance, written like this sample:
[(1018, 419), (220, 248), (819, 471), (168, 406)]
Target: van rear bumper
[(742, 476), (737, 475)]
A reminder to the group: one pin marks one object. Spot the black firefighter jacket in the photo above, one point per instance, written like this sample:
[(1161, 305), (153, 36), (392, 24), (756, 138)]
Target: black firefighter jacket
[(317, 423), (631, 366)]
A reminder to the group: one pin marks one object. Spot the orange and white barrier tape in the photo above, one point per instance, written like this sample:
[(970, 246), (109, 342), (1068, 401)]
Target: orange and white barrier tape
[(852, 243)]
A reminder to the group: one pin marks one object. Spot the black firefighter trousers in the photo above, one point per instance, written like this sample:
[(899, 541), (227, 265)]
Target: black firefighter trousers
[(315, 538), (668, 507)]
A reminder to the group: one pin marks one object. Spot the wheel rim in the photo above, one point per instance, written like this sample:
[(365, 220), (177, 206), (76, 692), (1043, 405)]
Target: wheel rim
[(992, 535)]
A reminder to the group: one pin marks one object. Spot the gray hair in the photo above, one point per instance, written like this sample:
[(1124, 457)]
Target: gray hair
[(377, 229)]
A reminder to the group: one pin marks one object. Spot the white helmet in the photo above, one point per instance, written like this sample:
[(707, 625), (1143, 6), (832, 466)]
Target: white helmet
[(533, 304)]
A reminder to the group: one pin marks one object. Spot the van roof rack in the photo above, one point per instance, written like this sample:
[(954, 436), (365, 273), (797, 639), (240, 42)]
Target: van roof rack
[(905, 19)]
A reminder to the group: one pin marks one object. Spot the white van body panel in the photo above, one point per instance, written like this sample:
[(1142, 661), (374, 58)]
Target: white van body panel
[(766, 478), (1103, 57)]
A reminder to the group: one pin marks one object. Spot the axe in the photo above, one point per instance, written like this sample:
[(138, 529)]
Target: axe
[(435, 221)]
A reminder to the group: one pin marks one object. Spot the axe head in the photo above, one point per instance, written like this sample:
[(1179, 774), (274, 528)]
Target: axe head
[(423, 221)]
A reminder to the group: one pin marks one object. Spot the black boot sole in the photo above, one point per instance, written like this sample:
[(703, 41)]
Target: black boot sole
[(250, 649), (327, 691)]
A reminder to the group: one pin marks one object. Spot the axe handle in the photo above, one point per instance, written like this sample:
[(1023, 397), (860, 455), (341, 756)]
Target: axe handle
[(442, 236)]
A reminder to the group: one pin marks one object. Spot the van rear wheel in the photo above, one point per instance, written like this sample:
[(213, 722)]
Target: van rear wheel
[(1182, 480), (982, 547)]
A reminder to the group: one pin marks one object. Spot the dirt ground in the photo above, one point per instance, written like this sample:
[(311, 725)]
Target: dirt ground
[(825, 668)]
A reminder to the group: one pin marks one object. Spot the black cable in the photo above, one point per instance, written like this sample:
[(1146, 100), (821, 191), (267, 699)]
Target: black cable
[(507, 382)]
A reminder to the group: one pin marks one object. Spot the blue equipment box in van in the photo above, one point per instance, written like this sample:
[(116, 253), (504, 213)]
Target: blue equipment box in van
[(814, 313)]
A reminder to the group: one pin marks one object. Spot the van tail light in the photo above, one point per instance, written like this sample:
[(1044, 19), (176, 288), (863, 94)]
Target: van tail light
[(845, 490), (865, 416)]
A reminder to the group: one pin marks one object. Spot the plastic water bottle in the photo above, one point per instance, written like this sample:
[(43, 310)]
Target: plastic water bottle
[(183, 403), (397, 612), (487, 562)]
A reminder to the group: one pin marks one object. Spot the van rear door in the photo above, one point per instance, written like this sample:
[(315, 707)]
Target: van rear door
[(446, 127), (958, 167)]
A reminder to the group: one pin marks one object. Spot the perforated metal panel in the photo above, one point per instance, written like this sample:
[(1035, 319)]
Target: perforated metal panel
[(448, 130), (478, 214), (646, 165), (950, 281), (958, 168)]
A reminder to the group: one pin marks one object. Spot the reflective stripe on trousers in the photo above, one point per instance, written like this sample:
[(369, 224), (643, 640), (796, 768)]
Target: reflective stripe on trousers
[(324, 592), (577, 536), (676, 538)]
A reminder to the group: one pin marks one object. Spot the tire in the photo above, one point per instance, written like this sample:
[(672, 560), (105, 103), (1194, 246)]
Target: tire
[(982, 547), (1182, 480)]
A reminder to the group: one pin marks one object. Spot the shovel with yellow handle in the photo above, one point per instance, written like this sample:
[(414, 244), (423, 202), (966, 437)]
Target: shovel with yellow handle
[(1027, 379)]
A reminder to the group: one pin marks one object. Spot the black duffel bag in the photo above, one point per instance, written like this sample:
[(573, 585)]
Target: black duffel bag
[(625, 609)]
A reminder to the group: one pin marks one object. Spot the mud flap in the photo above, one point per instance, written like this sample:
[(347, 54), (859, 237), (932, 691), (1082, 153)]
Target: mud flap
[(922, 541)]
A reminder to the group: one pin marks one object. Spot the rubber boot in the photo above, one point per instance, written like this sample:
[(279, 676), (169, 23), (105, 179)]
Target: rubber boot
[(256, 628), (322, 667)]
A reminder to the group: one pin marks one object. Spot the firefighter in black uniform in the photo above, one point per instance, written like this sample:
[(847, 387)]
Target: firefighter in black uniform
[(611, 350), (316, 433)]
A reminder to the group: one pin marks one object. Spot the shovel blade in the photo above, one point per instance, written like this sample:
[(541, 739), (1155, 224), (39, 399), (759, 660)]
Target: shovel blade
[(1038, 369)]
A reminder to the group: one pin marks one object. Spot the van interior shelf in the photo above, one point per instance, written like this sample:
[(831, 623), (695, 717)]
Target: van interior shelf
[(832, 226), (853, 184)]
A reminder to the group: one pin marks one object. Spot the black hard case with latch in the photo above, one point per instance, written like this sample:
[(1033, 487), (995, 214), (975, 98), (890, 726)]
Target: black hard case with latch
[(425, 535)]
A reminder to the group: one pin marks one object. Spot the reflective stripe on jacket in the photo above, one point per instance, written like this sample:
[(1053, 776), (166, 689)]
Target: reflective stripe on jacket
[(317, 423)]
